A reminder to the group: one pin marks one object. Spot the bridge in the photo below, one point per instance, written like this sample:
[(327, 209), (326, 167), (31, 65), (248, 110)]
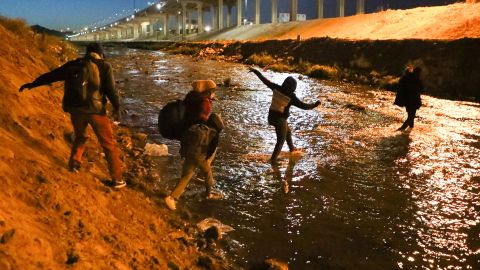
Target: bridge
[(181, 19)]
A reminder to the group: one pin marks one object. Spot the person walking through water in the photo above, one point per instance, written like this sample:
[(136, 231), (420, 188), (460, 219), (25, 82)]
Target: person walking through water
[(88, 83), (199, 139), (408, 95), (283, 97)]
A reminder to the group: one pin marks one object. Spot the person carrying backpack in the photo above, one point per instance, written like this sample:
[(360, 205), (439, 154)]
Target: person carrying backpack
[(199, 139), (88, 83), (283, 97), (410, 87)]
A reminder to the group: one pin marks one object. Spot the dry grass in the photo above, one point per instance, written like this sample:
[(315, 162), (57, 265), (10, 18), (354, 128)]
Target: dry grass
[(261, 60), (54, 50), (280, 67), (185, 50), (17, 26), (322, 72)]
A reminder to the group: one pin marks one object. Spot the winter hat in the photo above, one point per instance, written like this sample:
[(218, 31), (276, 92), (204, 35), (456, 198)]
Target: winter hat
[(95, 48), (203, 85)]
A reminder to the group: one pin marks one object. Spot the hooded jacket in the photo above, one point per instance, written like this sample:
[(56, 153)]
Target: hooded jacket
[(283, 97)]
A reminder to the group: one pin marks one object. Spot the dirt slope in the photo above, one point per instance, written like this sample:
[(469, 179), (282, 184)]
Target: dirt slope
[(442, 22), (51, 218)]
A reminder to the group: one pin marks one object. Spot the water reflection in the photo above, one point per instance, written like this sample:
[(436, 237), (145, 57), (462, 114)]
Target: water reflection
[(361, 196)]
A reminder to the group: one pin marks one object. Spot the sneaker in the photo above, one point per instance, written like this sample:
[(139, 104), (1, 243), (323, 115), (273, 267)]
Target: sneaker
[(74, 167), (120, 184), (170, 202)]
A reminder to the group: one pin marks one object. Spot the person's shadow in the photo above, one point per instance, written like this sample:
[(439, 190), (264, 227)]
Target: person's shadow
[(394, 147), (287, 180)]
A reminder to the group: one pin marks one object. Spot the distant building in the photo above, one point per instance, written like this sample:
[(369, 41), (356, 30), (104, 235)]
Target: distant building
[(285, 17)]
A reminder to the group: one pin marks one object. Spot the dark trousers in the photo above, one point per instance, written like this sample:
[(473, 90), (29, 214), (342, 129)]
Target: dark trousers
[(103, 130), (283, 134), (410, 119)]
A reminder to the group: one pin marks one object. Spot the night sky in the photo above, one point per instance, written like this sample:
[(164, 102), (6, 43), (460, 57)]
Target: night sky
[(76, 14)]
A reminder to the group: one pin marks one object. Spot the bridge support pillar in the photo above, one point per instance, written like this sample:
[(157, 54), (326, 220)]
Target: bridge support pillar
[(184, 19), (360, 6), (200, 17), (257, 11), (152, 29), (188, 25), (214, 13), (239, 12), (320, 9), (179, 24), (341, 8), (220, 14), (293, 10), (165, 25), (229, 15), (274, 11), (136, 32)]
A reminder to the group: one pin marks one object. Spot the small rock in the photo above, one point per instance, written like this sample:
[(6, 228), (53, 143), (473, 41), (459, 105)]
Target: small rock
[(275, 264), (72, 258), (42, 179), (201, 243), (173, 266), (7, 236), (206, 262), (227, 82), (213, 234), (153, 228)]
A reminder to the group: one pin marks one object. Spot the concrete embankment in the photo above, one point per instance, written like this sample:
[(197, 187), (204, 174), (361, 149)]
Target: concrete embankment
[(450, 67)]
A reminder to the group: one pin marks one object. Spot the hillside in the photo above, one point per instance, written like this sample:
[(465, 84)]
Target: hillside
[(42, 30), (442, 22), (51, 218)]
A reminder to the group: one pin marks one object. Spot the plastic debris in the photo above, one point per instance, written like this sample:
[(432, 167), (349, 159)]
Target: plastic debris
[(156, 150), (209, 222)]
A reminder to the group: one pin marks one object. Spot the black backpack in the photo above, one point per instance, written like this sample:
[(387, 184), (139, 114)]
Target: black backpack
[(82, 86), (170, 120)]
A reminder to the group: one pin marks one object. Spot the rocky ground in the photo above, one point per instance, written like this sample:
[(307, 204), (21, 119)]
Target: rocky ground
[(51, 218)]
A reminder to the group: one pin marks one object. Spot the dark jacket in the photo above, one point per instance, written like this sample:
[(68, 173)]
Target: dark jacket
[(273, 114), (408, 93), (107, 87)]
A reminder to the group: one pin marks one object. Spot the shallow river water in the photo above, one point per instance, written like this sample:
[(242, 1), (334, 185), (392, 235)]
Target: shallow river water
[(361, 196)]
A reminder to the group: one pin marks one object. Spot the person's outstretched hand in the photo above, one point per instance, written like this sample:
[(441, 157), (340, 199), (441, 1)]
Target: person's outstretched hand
[(25, 86)]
